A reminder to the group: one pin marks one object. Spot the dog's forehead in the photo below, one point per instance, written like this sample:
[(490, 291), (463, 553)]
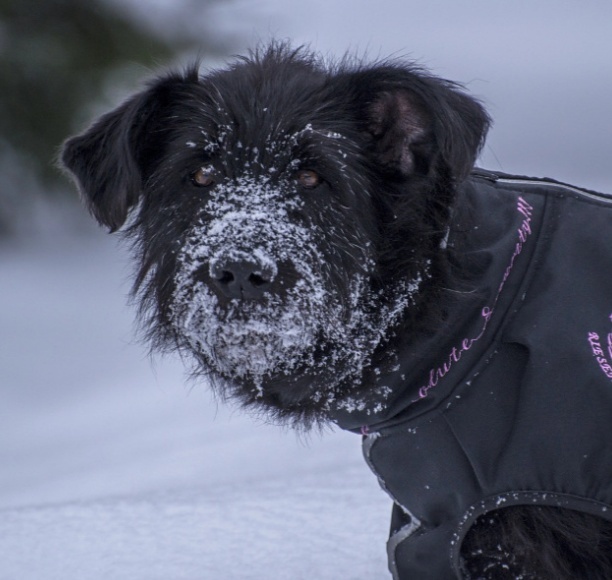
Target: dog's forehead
[(265, 115), (258, 132)]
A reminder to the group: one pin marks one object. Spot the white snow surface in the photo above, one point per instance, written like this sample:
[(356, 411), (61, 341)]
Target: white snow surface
[(113, 466)]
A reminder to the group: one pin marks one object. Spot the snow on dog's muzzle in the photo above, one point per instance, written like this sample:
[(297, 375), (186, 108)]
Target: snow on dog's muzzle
[(250, 297), (258, 302)]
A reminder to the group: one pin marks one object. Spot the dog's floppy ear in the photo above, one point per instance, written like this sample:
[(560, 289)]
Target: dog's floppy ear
[(108, 159), (416, 120)]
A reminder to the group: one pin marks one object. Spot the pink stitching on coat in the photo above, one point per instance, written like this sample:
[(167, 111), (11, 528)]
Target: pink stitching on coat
[(599, 354), (438, 373)]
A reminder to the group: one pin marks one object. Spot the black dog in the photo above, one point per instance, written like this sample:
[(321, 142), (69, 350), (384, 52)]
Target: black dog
[(316, 239)]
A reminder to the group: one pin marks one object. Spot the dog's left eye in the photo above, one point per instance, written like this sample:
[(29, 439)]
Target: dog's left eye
[(308, 179), (203, 177)]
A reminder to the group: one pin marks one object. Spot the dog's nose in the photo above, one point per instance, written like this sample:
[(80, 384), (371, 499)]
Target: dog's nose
[(241, 279)]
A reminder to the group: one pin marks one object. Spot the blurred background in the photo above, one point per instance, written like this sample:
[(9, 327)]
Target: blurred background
[(543, 68), (85, 414)]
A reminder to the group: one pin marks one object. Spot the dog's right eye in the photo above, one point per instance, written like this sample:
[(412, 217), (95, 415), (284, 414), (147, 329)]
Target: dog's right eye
[(308, 179), (203, 177)]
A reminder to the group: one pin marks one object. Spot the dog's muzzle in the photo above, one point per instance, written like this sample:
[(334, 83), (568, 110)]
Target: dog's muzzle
[(249, 295)]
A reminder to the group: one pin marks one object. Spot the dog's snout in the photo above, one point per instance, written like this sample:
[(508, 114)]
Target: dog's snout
[(242, 278)]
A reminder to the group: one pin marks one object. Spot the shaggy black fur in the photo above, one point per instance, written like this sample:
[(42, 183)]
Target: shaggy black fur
[(136, 157), (538, 543), (284, 191)]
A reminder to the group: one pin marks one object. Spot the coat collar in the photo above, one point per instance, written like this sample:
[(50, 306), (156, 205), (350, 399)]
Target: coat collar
[(492, 237)]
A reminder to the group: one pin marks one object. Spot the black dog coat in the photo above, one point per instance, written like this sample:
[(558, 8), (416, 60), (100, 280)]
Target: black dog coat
[(513, 406)]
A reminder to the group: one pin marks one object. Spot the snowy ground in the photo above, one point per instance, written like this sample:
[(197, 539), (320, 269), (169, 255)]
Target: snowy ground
[(114, 467)]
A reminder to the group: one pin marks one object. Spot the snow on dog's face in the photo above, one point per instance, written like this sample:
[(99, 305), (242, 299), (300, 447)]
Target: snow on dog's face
[(272, 287), (241, 330), (284, 215)]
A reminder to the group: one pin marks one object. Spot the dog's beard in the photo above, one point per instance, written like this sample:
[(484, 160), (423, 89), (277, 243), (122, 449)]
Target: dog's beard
[(256, 340), (317, 333)]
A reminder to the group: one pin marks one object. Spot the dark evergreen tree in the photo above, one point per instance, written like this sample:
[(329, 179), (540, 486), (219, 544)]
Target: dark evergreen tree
[(56, 58)]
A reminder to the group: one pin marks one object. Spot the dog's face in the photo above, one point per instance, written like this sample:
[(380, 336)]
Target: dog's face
[(286, 216), (271, 278)]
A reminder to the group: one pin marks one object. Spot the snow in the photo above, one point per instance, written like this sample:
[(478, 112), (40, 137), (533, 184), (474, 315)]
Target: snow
[(234, 216), (113, 466), (281, 529)]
